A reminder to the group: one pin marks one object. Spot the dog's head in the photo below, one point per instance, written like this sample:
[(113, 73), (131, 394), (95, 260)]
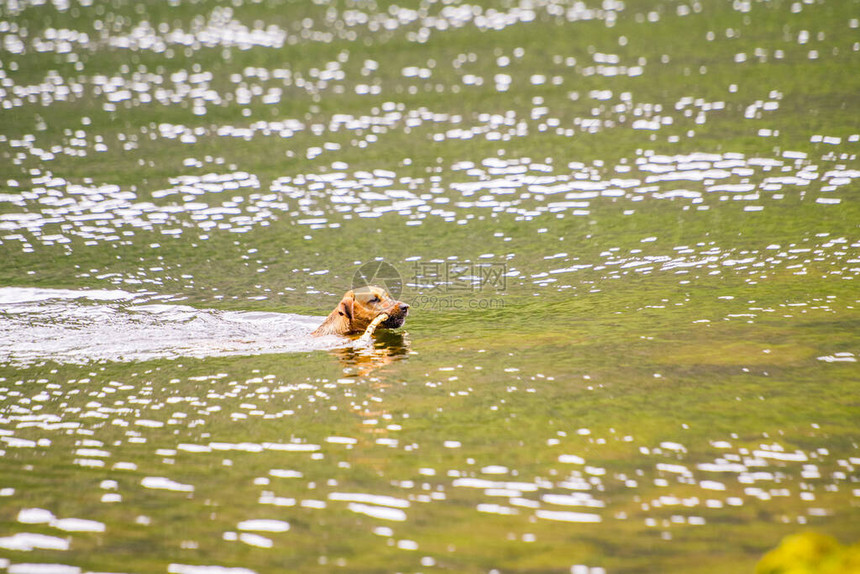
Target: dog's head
[(360, 307)]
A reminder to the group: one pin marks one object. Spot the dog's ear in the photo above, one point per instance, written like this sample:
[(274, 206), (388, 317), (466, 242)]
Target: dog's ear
[(345, 307)]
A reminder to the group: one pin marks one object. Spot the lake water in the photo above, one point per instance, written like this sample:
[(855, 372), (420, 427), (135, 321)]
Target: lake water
[(628, 233)]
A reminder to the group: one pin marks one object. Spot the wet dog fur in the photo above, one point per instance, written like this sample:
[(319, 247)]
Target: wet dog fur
[(359, 308)]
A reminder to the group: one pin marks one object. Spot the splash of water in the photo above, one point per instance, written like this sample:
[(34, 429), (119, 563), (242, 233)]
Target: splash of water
[(68, 326)]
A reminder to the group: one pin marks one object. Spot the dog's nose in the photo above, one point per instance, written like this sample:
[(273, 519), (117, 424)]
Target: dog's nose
[(404, 306)]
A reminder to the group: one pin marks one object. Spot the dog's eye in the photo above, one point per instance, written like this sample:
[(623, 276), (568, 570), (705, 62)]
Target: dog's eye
[(375, 299)]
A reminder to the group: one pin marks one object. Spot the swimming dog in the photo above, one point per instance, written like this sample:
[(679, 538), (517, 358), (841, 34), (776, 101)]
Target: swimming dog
[(358, 309)]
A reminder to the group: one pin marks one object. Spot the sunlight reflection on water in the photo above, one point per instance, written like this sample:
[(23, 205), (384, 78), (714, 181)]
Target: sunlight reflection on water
[(664, 189)]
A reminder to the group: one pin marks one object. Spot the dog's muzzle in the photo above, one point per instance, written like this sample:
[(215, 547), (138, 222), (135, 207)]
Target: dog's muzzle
[(397, 316)]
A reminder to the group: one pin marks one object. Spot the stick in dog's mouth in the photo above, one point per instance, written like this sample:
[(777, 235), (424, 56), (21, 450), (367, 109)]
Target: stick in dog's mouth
[(365, 337)]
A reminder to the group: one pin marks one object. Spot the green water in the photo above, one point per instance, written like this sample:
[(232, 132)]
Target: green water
[(627, 233)]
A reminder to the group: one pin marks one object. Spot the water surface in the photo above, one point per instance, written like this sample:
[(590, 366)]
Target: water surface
[(627, 233)]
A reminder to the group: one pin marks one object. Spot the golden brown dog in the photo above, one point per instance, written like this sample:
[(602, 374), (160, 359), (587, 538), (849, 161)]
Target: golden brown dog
[(359, 308)]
